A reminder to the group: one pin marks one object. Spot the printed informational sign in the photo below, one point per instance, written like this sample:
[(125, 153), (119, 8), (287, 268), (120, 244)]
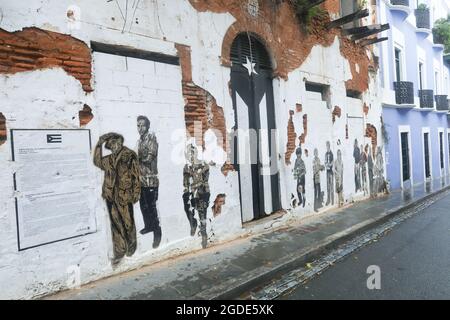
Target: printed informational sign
[(53, 185)]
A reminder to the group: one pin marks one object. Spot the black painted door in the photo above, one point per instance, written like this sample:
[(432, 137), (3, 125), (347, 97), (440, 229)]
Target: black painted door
[(254, 146), (426, 139), (405, 156)]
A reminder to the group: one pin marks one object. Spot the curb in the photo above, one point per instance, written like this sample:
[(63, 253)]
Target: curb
[(233, 288)]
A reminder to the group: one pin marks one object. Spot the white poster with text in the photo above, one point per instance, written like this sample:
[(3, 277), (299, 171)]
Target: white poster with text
[(53, 182)]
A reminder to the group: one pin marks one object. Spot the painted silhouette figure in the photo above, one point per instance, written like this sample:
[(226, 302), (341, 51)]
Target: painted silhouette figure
[(363, 166), (196, 191), (317, 167), (329, 159), (370, 170), (121, 189), (357, 157), (299, 172), (148, 165), (379, 172), (339, 175)]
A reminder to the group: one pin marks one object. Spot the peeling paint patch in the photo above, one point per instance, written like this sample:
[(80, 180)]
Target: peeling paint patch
[(226, 168), (371, 132), (366, 109), (280, 32), (34, 48), (283, 36), (359, 65), (291, 138), (85, 115), (200, 106), (336, 113), (2, 129), (218, 203)]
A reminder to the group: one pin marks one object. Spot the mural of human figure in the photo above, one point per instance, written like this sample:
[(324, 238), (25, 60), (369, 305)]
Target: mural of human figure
[(329, 159), (196, 191), (370, 169), (380, 171), (357, 157), (339, 176), (317, 167), (121, 190), (299, 172), (363, 166), (148, 166)]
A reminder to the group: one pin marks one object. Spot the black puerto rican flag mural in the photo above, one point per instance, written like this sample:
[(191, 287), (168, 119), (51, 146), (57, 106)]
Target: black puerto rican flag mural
[(254, 145)]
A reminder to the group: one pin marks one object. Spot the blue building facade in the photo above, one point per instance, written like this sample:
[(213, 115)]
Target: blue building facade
[(415, 88)]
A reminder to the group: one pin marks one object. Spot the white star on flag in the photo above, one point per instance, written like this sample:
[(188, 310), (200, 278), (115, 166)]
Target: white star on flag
[(250, 67)]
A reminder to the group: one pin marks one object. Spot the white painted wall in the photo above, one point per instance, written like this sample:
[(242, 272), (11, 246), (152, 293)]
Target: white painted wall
[(126, 88)]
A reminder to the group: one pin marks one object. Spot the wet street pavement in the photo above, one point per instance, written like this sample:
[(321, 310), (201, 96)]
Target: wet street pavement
[(413, 259), (232, 270)]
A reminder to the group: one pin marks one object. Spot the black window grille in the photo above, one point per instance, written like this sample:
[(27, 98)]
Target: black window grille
[(247, 46)]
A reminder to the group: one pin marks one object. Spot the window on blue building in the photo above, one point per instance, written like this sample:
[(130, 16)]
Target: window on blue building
[(398, 63), (421, 75)]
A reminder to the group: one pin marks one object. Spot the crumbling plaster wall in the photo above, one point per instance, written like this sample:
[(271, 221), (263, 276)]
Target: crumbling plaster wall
[(51, 98)]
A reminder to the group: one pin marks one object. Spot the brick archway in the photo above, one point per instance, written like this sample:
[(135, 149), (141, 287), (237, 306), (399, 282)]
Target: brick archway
[(234, 31)]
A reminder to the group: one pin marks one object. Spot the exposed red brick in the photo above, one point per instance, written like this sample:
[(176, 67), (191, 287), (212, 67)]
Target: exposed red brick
[(184, 52), (299, 107), (282, 34), (332, 6), (81, 59), (21, 59), (291, 139), (85, 115), (226, 168), (76, 64), (371, 132), (27, 52), (365, 109), (218, 203), (49, 61), (280, 31), (336, 113), (356, 55), (201, 107), (5, 48), (80, 76), (34, 48), (2, 129), (22, 65)]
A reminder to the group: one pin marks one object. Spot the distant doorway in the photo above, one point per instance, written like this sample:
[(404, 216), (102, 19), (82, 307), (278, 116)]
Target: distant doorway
[(405, 160), (426, 151)]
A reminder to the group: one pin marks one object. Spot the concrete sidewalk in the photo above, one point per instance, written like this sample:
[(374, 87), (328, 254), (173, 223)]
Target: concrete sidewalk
[(226, 271)]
